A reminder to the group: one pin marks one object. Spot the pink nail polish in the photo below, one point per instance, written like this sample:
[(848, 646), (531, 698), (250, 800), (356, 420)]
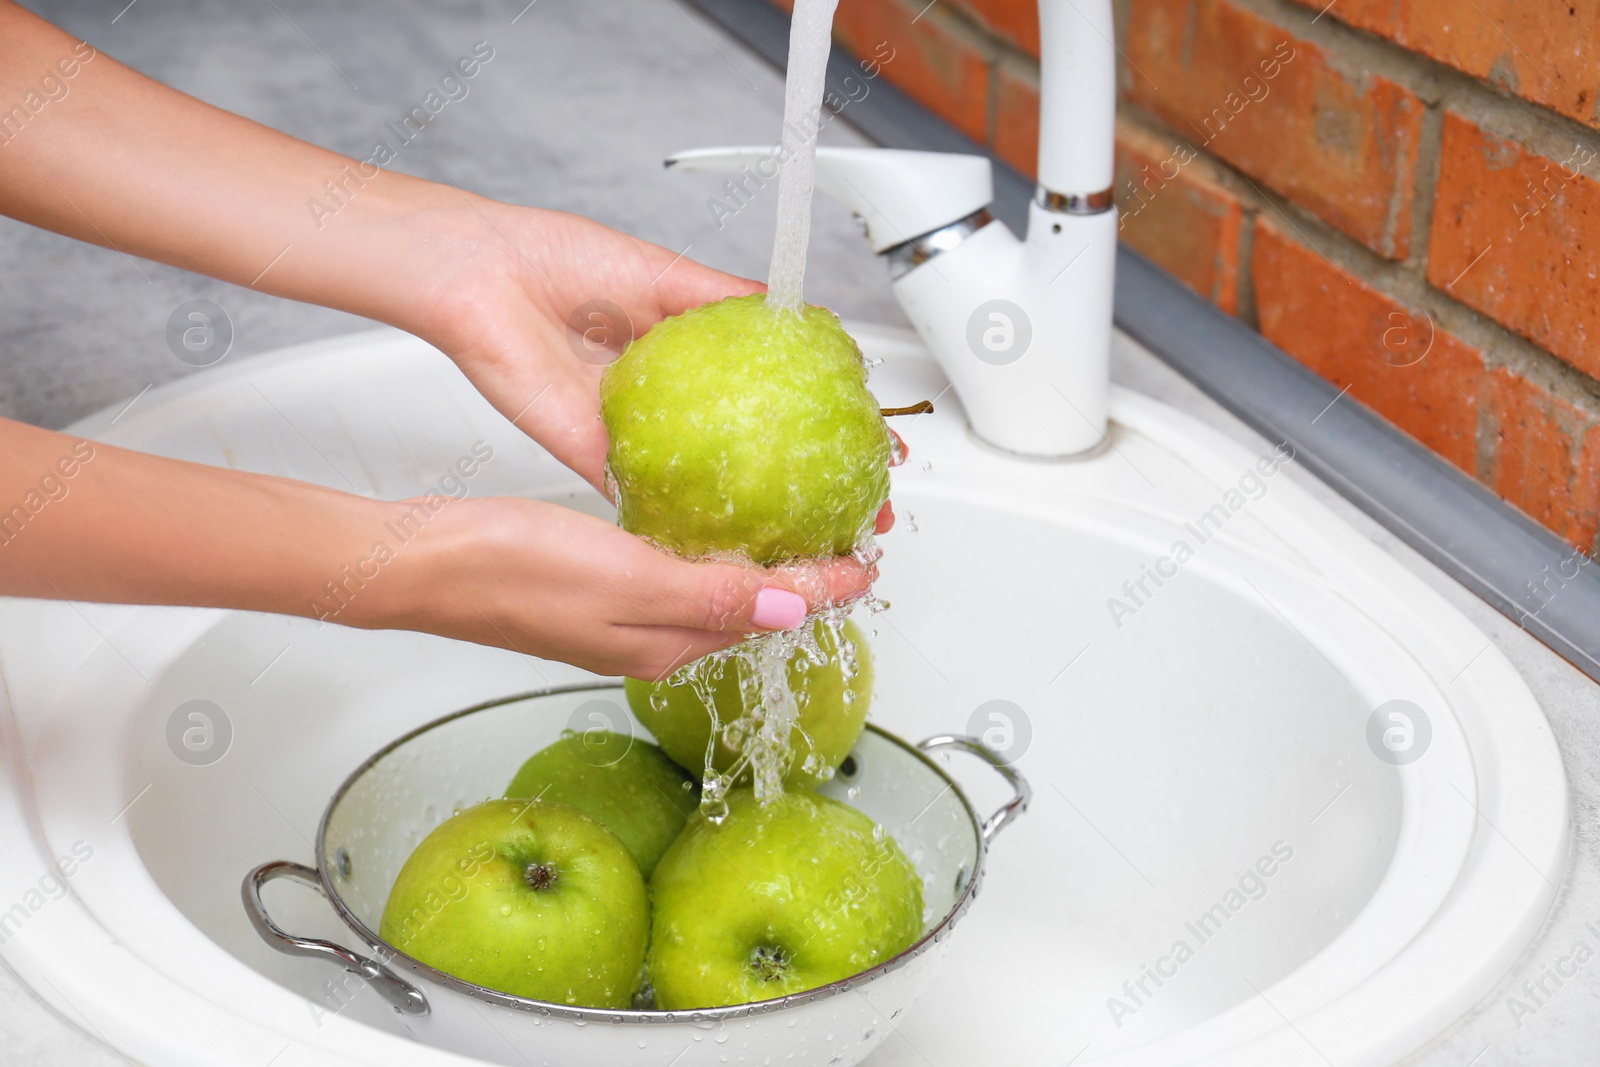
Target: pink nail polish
[(778, 609)]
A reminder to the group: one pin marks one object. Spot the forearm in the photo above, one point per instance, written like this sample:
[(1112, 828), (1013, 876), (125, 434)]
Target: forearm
[(85, 521), (120, 160), (80, 520)]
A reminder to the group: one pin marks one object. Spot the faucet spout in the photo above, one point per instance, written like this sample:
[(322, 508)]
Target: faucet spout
[(1077, 98), (1023, 327)]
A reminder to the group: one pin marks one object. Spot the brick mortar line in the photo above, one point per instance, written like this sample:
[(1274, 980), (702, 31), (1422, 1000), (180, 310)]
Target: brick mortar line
[(1225, 178), (1013, 61), (1356, 53), (966, 26), (1425, 185), (1402, 281), (1498, 347), (1245, 284), (1353, 53), (1406, 281), (1486, 454), (991, 49), (991, 118)]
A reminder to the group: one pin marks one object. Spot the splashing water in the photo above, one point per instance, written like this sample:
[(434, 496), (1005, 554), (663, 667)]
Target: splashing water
[(809, 43), (762, 738)]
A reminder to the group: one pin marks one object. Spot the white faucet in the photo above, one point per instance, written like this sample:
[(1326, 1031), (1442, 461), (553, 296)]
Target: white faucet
[(1022, 328)]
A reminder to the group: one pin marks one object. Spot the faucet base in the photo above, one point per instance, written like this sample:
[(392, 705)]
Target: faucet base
[(1023, 329), (1094, 451)]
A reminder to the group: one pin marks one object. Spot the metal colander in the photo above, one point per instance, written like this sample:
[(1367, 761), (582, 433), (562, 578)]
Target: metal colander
[(393, 800)]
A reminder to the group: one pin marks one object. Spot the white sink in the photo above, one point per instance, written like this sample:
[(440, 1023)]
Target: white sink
[(1219, 727)]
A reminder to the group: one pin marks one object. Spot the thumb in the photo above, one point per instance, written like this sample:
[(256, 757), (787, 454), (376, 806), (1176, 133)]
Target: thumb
[(690, 284)]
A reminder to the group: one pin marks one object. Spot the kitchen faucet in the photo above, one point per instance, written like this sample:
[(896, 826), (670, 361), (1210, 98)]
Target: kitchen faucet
[(1021, 327)]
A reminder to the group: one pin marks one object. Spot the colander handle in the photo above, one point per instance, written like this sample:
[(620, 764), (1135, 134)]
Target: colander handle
[(1022, 792), (405, 997)]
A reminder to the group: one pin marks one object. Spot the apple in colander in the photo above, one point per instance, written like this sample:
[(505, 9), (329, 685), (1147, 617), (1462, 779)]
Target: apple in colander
[(626, 785), (781, 897), (528, 897)]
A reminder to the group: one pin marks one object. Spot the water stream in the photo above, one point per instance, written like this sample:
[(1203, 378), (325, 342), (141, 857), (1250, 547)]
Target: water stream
[(763, 735), (810, 31)]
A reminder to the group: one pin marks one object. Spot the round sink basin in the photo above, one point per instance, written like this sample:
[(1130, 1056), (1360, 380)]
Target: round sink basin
[(1289, 806)]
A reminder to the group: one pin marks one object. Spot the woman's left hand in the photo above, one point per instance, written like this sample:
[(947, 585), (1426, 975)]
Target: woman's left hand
[(533, 304)]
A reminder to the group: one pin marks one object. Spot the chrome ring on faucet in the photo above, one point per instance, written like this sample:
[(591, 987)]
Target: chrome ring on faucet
[(907, 255), (1074, 203)]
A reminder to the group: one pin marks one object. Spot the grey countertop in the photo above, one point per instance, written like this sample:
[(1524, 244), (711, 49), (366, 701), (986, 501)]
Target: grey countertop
[(575, 111)]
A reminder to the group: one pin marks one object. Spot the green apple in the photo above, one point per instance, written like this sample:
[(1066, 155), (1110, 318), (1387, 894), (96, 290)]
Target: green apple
[(529, 897), (832, 710), (628, 786), (737, 429), (781, 897)]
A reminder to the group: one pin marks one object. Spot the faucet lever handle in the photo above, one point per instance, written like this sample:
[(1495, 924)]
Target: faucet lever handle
[(900, 195)]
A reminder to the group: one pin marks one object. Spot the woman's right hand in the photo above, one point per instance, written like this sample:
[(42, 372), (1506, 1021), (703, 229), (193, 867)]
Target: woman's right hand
[(521, 574), (559, 584)]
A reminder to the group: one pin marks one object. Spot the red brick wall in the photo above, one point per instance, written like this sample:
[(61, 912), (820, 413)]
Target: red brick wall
[(1402, 194)]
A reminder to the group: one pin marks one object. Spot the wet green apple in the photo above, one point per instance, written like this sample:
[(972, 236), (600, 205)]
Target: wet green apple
[(627, 785), (532, 898), (781, 897), (832, 710), (738, 429)]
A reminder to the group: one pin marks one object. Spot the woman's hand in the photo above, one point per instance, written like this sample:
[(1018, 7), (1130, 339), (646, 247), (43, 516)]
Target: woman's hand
[(134, 165), (533, 304), (508, 292), (559, 584), (520, 574)]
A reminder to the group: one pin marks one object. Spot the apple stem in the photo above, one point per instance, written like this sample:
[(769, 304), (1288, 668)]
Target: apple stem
[(921, 407)]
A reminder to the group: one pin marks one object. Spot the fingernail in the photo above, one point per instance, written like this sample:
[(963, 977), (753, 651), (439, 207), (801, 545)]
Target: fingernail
[(900, 452), (778, 609)]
